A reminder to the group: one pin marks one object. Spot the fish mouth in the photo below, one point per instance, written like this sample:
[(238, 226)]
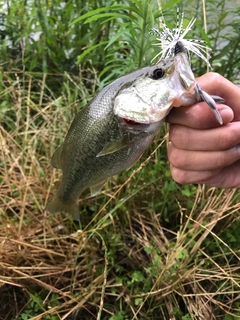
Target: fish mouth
[(134, 124), (131, 122), (182, 78)]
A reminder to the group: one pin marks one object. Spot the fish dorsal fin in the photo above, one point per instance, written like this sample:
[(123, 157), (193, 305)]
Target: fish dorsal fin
[(114, 146), (56, 158), (96, 188)]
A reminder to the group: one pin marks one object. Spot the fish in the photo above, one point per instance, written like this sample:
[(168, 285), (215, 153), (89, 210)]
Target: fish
[(110, 134)]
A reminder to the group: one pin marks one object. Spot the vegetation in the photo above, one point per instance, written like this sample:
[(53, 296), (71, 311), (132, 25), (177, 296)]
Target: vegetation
[(146, 247)]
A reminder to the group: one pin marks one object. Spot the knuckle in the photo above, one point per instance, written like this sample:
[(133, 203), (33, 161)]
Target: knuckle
[(232, 135), (173, 133), (216, 81), (227, 136), (176, 157), (179, 136), (215, 77)]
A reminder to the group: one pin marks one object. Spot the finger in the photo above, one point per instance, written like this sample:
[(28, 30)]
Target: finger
[(215, 84), (202, 160), (216, 139), (199, 116), (187, 177), (228, 177)]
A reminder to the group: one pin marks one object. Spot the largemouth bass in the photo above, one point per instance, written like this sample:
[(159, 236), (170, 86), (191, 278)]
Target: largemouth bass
[(111, 133)]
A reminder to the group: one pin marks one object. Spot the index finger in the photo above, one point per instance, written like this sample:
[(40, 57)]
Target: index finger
[(199, 116)]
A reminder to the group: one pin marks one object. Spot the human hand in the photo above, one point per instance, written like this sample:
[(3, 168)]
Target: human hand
[(200, 150)]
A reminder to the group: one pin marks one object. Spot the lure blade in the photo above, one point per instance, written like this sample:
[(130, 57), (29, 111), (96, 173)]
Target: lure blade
[(174, 44), (211, 102)]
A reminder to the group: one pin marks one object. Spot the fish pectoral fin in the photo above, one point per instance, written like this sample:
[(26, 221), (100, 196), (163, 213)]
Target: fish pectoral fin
[(56, 158), (114, 146), (95, 189)]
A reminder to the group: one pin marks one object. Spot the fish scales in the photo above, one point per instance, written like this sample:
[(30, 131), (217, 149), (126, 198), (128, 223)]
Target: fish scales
[(87, 137), (111, 133)]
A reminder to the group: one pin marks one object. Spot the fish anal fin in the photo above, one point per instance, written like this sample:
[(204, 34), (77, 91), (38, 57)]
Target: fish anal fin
[(57, 205), (56, 158), (114, 146), (96, 188)]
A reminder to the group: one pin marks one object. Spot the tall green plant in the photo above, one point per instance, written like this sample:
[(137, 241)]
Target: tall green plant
[(129, 45)]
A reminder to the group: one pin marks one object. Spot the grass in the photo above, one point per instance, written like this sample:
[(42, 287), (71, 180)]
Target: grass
[(146, 247)]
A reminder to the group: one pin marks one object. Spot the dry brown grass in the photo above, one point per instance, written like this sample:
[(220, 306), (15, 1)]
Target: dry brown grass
[(91, 270)]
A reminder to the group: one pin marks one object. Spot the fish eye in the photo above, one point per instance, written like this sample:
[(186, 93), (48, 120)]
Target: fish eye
[(158, 73)]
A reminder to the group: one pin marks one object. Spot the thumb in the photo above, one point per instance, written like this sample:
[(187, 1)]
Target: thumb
[(215, 84)]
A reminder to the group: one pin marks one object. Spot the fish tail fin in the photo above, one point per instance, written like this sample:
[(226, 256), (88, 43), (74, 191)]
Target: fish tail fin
[(57, 205)]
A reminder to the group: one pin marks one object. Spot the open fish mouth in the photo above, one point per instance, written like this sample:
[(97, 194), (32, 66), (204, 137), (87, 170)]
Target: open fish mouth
[(134, 125), (130, 122)]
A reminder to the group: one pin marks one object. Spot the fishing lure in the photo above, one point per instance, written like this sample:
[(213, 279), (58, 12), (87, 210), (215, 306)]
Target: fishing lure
[(168, 39), (173, 42)]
